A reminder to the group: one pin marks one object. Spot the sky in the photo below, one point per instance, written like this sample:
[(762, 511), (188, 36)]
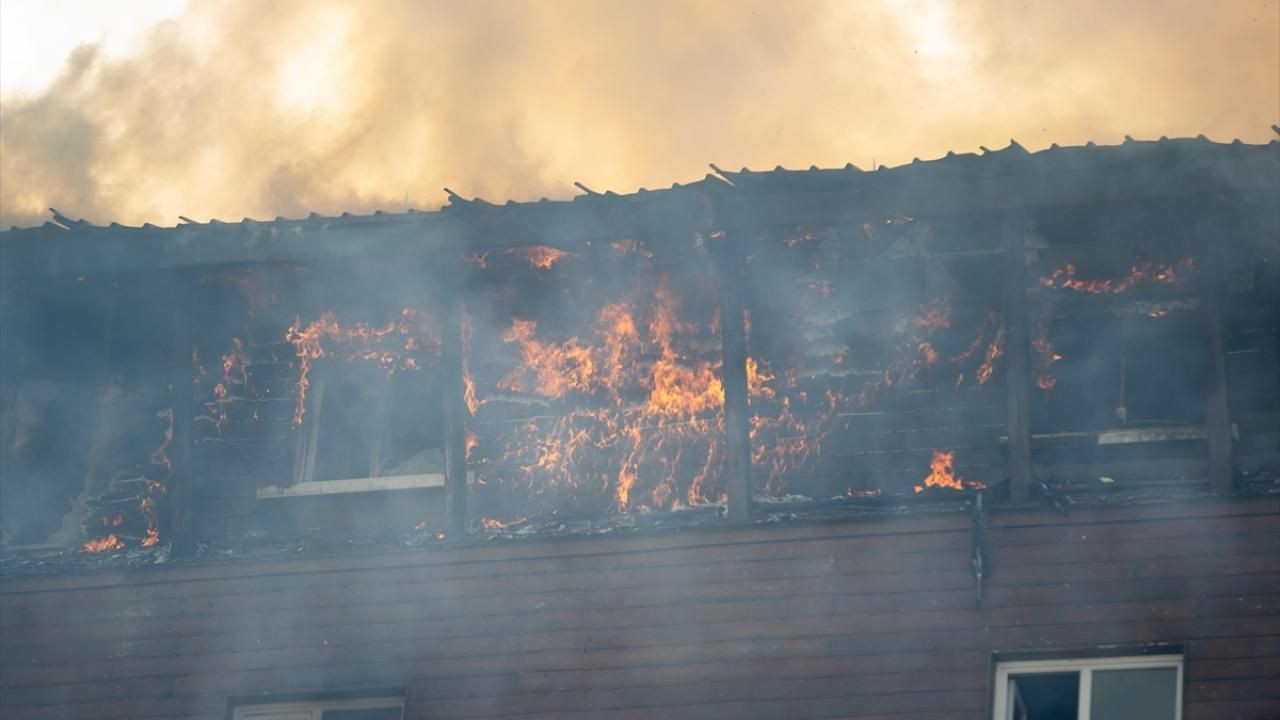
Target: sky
[(141, 111)]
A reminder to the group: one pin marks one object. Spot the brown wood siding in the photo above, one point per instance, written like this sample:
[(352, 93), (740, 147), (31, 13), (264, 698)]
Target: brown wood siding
[(872, 619)]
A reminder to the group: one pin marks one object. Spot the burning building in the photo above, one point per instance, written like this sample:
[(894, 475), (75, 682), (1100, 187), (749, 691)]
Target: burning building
[(992, 435)]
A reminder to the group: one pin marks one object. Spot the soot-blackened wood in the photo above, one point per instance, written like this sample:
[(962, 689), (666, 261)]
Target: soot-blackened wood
[(1017, 363), (455, 409), (181, 480), (733, 338), (1209, 233)]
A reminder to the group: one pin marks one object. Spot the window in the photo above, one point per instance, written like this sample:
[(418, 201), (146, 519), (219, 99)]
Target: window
[(365, 430), (1117, 688), (355, 709)]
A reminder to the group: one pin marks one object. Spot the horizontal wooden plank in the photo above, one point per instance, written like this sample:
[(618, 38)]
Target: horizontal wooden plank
[(839, 620), (1237, 710), (806, 562)]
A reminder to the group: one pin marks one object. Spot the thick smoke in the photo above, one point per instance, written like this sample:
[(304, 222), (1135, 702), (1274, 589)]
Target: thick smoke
[(258, 109)]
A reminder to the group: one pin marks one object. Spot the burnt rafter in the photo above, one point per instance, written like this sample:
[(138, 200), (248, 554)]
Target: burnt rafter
[(955, 183)]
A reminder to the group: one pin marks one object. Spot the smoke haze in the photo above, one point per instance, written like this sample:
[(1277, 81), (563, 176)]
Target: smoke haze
[(255, 109)]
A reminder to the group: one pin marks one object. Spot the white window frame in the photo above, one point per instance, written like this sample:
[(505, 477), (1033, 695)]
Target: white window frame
[(313, 710), (1002, 708)]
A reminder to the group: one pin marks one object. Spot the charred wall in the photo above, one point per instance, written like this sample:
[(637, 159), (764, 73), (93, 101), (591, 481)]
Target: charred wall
[(869, 619)]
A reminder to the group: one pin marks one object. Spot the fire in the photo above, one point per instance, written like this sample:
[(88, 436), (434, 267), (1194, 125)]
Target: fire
[(469, 383), (918, 350), (645, 413), (397, 344), (197, 370), (496, 524), (629, 246), (1141, 271), (1046, 357), (758, 379), (942, 473), (936, 314), (796, 238), (148, 507), (234, 365), (928, 355), (541, 257), (548, 369), (994, 351), (103, 544)]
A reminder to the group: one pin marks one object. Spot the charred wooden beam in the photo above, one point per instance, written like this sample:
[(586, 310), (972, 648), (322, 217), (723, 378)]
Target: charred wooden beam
[(181, 482), (1217, 412), (1017, 361), (733, 335), (455, 408)]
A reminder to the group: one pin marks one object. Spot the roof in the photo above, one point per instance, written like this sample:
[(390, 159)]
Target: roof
[(998, 180)]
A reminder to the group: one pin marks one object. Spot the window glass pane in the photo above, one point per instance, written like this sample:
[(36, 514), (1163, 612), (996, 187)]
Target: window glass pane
[(1148, 694), (1046, 696)]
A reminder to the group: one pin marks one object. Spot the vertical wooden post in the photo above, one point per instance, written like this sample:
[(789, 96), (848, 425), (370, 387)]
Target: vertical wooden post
[(1217, 412), (1017, 359), (733, 343), (180, 485), (453, 386)]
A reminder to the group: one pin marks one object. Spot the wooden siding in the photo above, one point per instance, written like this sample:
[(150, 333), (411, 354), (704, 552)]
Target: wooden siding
[(870, 619)]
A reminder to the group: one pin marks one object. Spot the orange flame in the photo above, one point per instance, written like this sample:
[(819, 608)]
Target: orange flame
[(1140, 271), (1044, 351), (103, 544), (928, 355), (496, 524), (942, 472), (393, 345), (148, 507), (469, 383), (994, 351), (916, 351), (936, 314), (681, 413), (540, 257)]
